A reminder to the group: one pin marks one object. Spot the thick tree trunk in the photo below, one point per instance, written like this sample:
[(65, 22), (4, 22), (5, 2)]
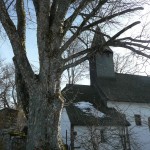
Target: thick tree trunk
[(45, 105), (43, 123)]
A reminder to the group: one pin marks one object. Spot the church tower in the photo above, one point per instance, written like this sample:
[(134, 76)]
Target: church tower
[(101, 63)]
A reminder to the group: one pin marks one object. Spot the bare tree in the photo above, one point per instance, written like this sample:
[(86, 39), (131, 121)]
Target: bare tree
[(125, 64), (130, 63), (76, 73), (55, 21), (7, 86)]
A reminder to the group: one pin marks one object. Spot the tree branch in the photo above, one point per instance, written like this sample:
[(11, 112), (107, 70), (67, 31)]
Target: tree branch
[(89, 52), (21, 89), (53, 12), (68, 22), (110, 17), (43, 12), (36, 6), (75, 35), (136, 44), (82, 40), (21, 20), (16, 42), (62, 9), (124, 29), (6, 21), (77, 55), (81, 28), (57, 14), (123, 45), (77, 62), (134, 40), (10, 4)]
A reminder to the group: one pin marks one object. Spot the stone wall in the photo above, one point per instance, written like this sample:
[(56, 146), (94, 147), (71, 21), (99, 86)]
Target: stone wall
[(8, 118), (10, 140), (10, 137)]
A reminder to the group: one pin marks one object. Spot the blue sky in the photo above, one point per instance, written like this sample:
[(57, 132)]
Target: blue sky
[(32, 53), (7, 53)]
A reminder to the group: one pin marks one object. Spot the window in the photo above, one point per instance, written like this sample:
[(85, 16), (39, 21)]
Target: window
[(75, 133), (138, 121), (102, 136)]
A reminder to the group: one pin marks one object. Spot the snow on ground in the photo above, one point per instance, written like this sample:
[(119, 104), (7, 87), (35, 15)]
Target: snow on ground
[(89, 109)]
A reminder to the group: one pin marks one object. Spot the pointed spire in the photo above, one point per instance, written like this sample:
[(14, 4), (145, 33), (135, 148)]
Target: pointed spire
[(99, 39)]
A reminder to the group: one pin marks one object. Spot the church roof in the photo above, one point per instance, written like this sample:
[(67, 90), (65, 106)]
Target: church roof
[(121, 88), (75, 94), (126, 88), (80, 118)]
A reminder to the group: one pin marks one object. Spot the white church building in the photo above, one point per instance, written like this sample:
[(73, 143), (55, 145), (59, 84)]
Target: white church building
[(112, 113)]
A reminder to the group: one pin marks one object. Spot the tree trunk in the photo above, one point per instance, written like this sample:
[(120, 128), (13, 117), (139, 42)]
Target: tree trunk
[(43, 123), (21, 89), (45, 105)]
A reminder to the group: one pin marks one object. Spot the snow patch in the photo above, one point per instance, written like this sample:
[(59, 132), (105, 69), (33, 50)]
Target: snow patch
[(89, 109)]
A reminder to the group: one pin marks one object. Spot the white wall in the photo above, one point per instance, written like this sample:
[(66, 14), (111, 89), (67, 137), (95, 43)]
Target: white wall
[(140, 135), (87, 136)]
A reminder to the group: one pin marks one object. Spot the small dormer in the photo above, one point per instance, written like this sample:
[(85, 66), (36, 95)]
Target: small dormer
[(101, 64)]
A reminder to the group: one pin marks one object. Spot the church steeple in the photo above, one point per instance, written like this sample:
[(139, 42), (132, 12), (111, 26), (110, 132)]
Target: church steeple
[(101, 64)]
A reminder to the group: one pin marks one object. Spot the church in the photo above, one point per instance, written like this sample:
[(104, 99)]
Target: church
[(113, 112)]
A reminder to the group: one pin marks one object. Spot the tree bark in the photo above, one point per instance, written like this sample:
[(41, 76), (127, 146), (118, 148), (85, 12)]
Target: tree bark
[(43, 123), (21, 89), (43, 103)]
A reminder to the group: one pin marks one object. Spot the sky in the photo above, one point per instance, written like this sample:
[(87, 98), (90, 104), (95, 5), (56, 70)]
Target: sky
[(32, 53), (7, 53)]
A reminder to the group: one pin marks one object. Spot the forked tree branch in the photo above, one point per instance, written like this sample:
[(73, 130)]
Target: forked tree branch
[(68, 22), (111, 40), (82, 28), (111, 17), (16, 41), (79, 29)]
